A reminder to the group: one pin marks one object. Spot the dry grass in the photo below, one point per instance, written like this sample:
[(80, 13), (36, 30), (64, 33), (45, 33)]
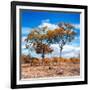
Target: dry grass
[(50, 67)]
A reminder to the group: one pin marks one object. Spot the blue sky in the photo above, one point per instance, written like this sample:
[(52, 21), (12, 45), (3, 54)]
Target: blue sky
[(32, 19)]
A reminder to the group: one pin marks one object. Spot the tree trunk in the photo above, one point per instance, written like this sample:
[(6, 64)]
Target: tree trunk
[(60, 52), (43, 54)]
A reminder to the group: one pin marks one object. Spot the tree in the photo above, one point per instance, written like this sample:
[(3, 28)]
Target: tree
[(38, 38), (42, 48), (61, 35), (41, 38), (66, 36)]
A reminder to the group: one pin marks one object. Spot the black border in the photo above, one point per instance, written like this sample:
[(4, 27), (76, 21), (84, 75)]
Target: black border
[(13, 44)]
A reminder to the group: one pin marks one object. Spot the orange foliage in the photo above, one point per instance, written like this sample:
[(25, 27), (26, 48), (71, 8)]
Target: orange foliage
[(35, 61), (25, 59), (43, 47)]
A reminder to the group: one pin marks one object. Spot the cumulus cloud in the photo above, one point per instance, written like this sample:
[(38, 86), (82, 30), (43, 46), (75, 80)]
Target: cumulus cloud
[(46, 20), (77, 38), (70, 47), (25, 31), (23, 39), (68, 51), (24, 51), (71, 51), (23, 46), (77, 26), (52, 26), (48, 24)]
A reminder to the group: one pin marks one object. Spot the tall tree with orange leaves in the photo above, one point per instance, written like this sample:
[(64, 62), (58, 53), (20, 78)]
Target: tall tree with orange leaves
[(38, 39), (65, 35), (62, 35)]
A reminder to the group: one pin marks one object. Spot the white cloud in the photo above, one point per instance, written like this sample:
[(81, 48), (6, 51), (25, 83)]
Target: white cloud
[(46, 20), (68, 51), (23, 46), (77, 26), (25, 30), (71, 51), (48, 24), (23, 38), (70, 47), (77, 38), (24, 51), (54, 26)]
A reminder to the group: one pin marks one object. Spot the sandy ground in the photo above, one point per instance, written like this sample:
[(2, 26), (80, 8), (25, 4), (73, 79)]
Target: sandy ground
[(63, 69)]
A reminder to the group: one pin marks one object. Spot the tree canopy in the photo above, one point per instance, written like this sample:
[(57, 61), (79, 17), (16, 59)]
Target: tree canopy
[(41, 38)]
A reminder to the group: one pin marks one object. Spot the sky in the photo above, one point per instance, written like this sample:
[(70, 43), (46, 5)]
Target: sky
[(30, 19)]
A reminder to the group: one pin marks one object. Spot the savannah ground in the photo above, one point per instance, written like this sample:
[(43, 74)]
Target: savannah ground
[(49, 67)]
